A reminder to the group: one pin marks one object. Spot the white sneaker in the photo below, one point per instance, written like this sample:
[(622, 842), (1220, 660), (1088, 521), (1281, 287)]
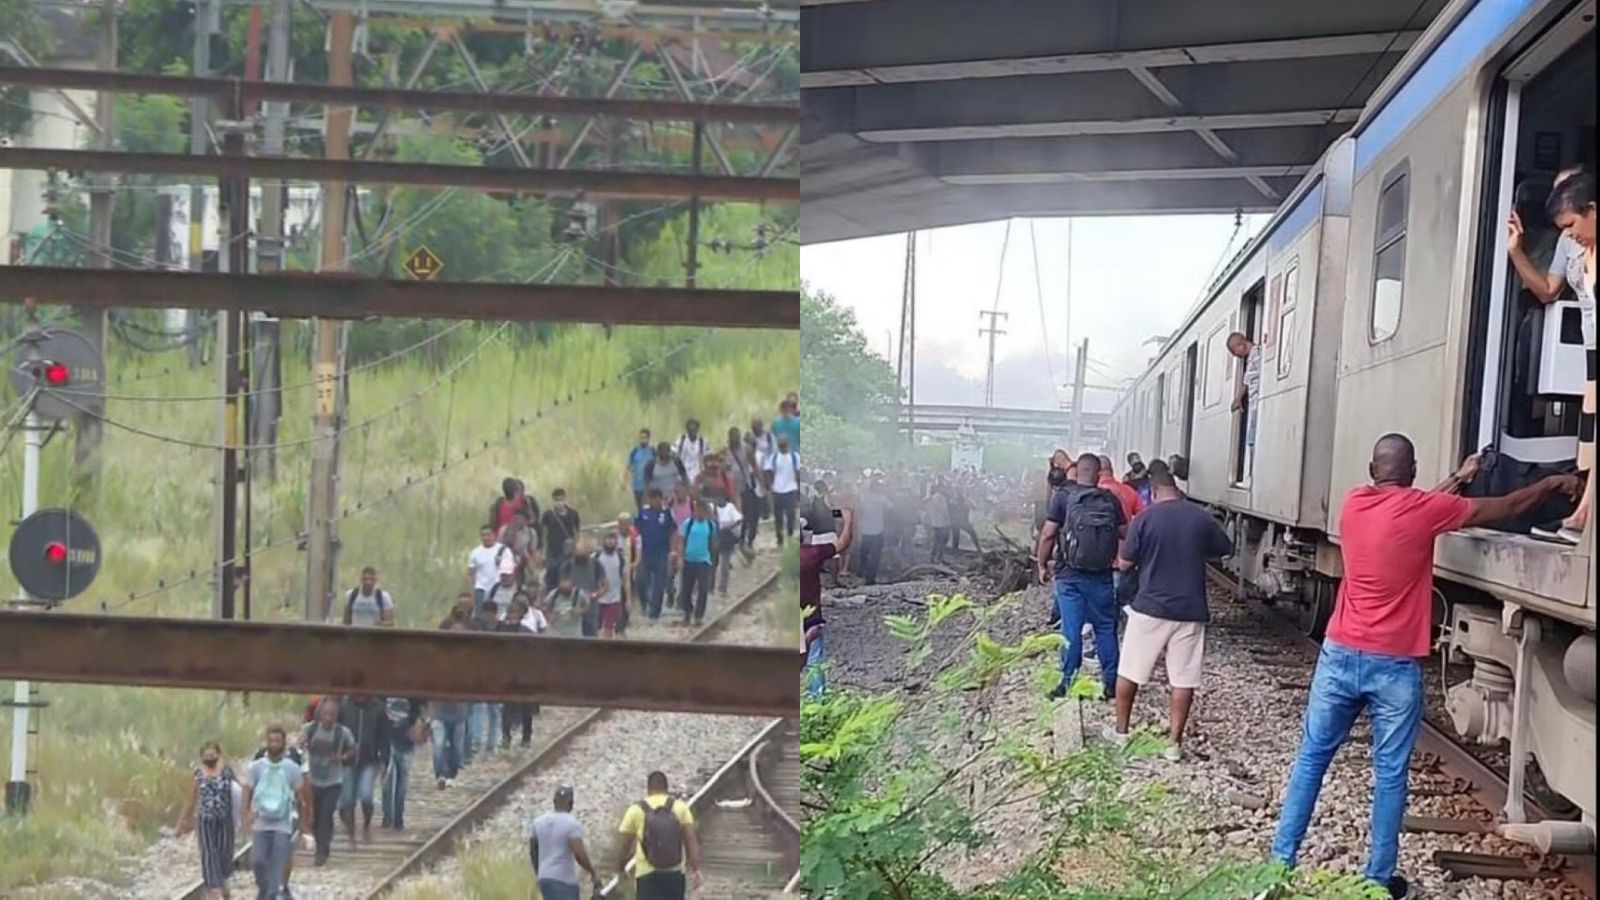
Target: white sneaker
[(1173, 753), (1114, 737)]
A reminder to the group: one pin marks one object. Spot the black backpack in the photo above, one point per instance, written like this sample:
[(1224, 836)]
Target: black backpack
[(661, 838), (1087, 541)]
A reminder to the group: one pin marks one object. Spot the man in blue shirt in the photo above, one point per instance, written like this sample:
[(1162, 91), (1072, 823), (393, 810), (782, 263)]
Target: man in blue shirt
[(699, 536), (657, 534), (638, 458), (788, 421)]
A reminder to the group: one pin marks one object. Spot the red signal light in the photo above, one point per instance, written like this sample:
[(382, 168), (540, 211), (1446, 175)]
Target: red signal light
[(55, 552), (56, 374)]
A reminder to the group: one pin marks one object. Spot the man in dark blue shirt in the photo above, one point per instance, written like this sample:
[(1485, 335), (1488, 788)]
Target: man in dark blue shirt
[(657, 532), (1169, 544), (1086, 521)]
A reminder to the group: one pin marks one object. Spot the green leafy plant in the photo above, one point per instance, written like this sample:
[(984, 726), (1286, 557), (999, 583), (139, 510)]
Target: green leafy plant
[(894, 793)]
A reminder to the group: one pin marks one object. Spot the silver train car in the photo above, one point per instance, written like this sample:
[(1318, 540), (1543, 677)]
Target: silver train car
[(1382, 299)]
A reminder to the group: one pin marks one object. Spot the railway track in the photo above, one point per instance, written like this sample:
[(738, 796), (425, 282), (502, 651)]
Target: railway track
[(1444, 759), (437, 821), (747, 819)]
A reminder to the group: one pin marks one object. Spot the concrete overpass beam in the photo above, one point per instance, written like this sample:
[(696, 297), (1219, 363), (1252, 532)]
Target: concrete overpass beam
[(1163, 156), (873, 40), (1222, 97)]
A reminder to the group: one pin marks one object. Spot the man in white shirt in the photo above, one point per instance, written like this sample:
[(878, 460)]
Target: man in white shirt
[(691, 449), (785, 490), (483, 566)]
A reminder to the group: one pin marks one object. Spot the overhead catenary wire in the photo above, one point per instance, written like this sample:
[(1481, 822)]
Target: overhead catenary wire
[(511, 429), (474, 448), (1044, 330), (448, 375)]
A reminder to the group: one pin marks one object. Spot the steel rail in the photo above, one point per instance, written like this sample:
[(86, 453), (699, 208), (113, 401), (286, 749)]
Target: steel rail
[(248, 92), (1487, 787), (622, 185), (747, 758), (445, 840), (343, 296)]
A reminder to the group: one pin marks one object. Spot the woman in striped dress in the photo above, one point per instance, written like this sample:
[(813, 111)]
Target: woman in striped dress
[(210, 807)]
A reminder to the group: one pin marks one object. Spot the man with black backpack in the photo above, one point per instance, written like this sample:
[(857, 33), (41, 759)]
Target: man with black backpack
[(691, 449), (1080, 535), (368, 605), (658, 837)]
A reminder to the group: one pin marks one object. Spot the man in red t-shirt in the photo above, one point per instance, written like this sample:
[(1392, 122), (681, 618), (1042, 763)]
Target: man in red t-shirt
[(1132, 505), (1381, 626), (812, 558)]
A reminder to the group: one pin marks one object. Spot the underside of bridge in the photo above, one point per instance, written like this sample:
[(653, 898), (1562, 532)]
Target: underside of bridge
[(919, 114)]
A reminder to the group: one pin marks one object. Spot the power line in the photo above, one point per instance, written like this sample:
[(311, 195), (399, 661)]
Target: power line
[(1044, 331), (448, 374), (411, 482)]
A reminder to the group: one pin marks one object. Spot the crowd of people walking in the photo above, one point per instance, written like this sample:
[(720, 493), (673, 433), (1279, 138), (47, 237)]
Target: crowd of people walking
[(533, 571)]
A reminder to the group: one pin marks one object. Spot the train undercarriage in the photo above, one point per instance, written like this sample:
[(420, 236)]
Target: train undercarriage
[(1532, 688)]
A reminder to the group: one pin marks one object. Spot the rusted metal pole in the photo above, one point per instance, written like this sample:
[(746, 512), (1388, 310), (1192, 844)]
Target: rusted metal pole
[(692, 264), (343, 94), (102, 204), (594, 184), (322, 511), (315, 658), (297, 295)]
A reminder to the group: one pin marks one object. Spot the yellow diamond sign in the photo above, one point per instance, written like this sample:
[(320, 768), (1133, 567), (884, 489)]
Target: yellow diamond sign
[(422, 264)]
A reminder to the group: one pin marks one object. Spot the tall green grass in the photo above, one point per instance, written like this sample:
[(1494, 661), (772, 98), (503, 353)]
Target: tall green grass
[(114, 762)]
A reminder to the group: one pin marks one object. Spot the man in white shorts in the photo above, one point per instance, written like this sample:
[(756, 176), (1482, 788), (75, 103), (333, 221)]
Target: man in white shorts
[(1168, 543)]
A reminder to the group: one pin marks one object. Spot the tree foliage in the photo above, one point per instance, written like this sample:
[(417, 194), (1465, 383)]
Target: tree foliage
[(851, 393), (20, 24)]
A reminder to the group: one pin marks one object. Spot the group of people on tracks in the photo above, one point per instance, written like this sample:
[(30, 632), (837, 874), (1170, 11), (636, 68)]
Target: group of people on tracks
[(1141, 543), (534, 571)]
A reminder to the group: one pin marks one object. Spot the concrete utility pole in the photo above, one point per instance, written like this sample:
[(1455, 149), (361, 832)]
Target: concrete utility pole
[(322, 529), (906, 367), (206, 22), (993, 316), (24, 695), (267, 402), (102, 203), (1080, 375)]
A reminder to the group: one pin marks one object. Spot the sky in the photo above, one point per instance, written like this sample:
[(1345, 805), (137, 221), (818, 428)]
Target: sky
[(1130, 278)]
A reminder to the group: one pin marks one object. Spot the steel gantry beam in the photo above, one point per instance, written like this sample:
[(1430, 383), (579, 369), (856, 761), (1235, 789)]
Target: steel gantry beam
[(622, 185), (441, 665), (249, 92), (295, 295)]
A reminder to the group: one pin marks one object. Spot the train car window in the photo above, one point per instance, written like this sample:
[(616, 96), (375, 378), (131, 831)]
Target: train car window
[(1389, 254), (1217, 359), (1286, 320)]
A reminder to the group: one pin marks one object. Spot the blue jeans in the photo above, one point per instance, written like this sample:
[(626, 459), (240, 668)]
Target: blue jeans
[(449, 738), (359, 781), (1088, 597), (483, 729), (816, 679), (478, 595), (1347, 681), (269, 853), (550, 889), (394, 783), (654, 573)]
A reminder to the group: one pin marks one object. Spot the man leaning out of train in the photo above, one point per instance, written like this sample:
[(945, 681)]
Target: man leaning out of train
[(1380, 630)]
